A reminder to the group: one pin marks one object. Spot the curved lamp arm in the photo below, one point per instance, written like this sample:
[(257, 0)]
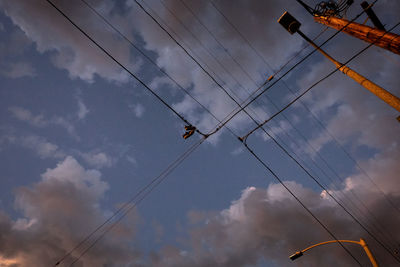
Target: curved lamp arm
[(362, 243)]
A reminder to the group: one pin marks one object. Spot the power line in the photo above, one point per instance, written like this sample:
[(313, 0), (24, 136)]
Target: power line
[(148, 58), (97, 44), (242, 108), (234, 113), (202, 45), (287, 86), (216, 39), (243, 139), (142, 194), (298, 200), (225, 49), (131, 203), (155, 181), (122, 66), (260, 126), (108, 55)]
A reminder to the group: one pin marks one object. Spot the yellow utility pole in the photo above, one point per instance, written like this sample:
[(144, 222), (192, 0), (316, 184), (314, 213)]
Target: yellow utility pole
[(293, 26), (362, 243), (381, 38)]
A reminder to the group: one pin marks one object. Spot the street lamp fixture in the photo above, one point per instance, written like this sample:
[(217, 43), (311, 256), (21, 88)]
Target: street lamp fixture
[(292, 26), (362, 243)]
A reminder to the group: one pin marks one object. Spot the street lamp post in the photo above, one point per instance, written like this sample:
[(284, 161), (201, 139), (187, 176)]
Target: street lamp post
[(293, 26), (362, 243)]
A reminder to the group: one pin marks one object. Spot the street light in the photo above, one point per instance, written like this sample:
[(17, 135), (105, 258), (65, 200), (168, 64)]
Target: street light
[(362, 243), (293, 26)]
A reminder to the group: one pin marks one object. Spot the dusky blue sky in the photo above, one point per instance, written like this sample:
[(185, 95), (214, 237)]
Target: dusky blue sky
[(79, 137)]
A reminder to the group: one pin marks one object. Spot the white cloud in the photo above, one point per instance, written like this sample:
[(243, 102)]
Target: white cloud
[(82, 109), (41, 146), (19, 69), (138, 109), (70, 49), (27, 116), (97, 159), (57, 212), (40, 121), (269, 224)]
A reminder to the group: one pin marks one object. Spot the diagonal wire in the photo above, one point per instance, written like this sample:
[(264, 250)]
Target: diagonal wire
[(121, 65), (286, 85), (299, 201), (144, 193), (244, 139)]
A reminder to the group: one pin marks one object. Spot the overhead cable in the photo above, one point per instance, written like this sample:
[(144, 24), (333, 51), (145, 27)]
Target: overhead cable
[(133, 202), (243, 139), (121, 65), (386, 197)]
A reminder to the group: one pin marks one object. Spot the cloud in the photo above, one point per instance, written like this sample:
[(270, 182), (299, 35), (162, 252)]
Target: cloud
[(269, 224), (41, 146), (19, 69), (138, 109), (27, 116), (69, 49), (97, 159), (57, 212), (40, 121), (189, 75), (82, 109)]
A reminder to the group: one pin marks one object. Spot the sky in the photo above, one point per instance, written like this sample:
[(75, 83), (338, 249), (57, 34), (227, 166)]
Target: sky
[(79, 137)]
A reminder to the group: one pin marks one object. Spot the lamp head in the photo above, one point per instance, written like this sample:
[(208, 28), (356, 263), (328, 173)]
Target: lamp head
[(296, 255), (289, 22)]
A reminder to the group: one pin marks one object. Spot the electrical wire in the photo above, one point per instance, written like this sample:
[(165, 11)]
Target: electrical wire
[(121, 65), (204, 46), (320, 123), (142, 194), (244, 139), (299, 201), (259, 126), (216, 39), (107, 54), (158, 23), (225, 49), (92, 39), (156, 180), (149, 58), (248, 75), (245, 105)]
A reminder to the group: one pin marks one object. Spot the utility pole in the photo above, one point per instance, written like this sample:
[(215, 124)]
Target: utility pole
[(293, 26), (381, 38)]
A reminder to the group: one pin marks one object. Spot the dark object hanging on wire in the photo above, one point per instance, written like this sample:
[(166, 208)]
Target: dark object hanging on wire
[(190, 129), (328, 8)]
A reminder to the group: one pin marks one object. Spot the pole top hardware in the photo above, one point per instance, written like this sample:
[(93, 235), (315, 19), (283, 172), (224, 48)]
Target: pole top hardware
[(289, 23)]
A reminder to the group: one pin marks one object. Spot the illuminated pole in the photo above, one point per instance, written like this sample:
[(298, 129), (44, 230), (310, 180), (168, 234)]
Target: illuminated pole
[(362, 243), (292, 26), (381, 38)]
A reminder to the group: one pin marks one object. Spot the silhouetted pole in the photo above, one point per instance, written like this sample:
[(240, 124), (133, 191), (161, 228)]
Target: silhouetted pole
[(381, 38), (293, 26), (372, 16)]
